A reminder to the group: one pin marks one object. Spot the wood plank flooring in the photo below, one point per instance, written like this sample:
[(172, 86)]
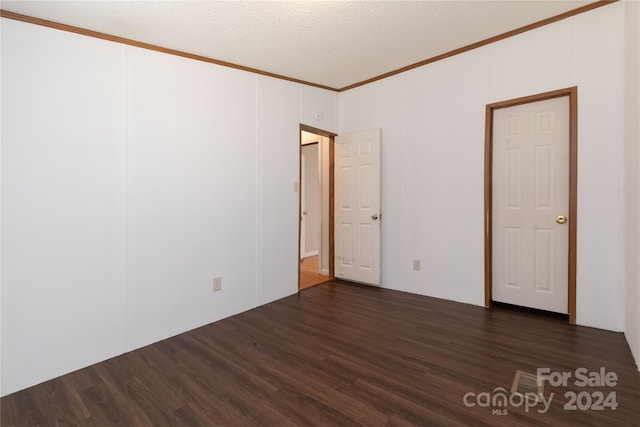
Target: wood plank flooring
[(309, 275), (341, 354)]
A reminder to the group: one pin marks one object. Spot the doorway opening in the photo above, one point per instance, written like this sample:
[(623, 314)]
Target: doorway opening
[(316, 228), (510, 180)]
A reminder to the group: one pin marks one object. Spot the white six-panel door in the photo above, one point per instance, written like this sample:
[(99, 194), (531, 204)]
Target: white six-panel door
[(530, 199), (357, 207)]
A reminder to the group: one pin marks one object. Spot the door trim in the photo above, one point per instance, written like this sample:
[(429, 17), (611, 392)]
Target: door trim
[(572, 93), (331, 137)]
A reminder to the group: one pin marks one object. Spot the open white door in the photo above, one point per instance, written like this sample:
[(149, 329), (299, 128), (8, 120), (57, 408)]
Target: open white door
[(357, 207)]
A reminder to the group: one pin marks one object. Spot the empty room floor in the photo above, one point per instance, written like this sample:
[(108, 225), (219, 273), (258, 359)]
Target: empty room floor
[(343, 354)]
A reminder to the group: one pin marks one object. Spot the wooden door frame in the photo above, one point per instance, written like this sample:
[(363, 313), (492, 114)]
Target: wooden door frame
[(572, 93), (331, 136)]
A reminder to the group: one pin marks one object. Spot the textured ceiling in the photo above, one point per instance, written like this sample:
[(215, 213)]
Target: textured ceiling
[(329, 43)]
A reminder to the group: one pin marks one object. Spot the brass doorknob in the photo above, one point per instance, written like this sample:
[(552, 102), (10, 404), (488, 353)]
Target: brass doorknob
[(561, 219)]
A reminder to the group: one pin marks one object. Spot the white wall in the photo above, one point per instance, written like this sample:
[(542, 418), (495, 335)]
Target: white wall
[(1, 328), (632, 177), (63, 264), (323, 260), (278, 170), (191, 187), (432, 120), (311, 193), (130, 179)]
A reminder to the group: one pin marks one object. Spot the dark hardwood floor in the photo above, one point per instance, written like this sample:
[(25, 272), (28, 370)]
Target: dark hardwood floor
[(342, 354)]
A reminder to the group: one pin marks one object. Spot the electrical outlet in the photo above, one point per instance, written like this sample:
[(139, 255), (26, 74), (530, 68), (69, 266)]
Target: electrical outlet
[(217, 284), (416, 264)]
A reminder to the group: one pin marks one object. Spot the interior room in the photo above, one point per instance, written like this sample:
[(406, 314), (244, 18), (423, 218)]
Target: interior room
[(152, 213)]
